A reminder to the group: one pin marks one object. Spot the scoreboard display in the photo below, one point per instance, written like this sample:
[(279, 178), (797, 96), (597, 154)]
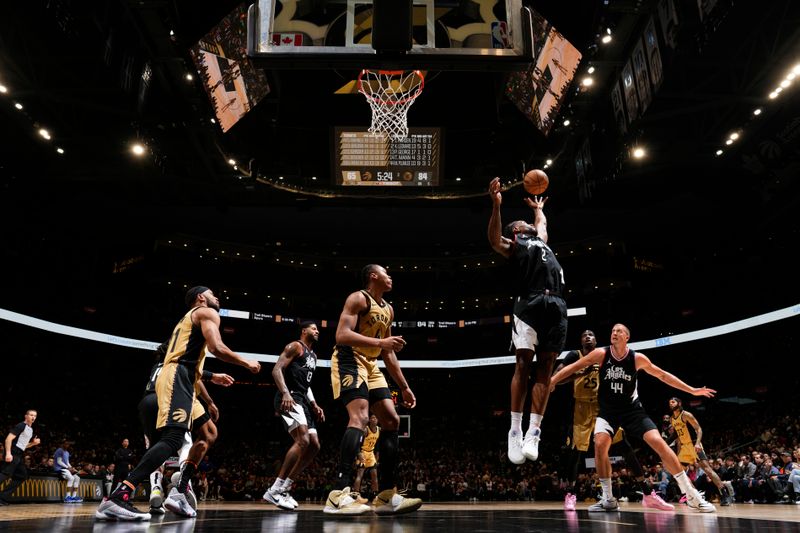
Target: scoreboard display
[(361, 158)]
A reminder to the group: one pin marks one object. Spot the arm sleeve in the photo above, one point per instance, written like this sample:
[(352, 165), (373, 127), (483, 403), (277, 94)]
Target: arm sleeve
[(207, 375), (310, 395)]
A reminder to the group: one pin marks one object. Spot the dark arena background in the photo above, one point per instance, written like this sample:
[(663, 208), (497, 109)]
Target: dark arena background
[(147, 147)]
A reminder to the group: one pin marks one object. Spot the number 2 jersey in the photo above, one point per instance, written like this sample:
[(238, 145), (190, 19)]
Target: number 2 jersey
[(618, 382)]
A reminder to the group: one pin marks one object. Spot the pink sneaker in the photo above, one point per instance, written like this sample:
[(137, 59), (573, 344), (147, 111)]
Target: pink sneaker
[(569, 502), (654, 501)]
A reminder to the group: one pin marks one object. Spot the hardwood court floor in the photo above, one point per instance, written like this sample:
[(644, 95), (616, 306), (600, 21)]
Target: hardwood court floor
[(438, 517)]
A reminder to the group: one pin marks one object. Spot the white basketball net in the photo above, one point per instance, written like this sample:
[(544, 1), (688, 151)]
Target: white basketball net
[(390, 93)]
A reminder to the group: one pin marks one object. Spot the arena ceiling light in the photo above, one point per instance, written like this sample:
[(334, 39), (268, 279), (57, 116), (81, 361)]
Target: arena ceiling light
[(757, 111), (18, 105), (60, 150), (639, 152), (44, 133), (3, 89), (588, 81), (137, 149)]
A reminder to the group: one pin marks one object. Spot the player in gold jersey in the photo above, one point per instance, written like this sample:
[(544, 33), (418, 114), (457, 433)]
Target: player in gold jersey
[(367, 458), (363, 335), (692, 453), (197, 330)]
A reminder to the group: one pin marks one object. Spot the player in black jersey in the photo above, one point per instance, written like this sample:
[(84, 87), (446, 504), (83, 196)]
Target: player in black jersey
[(540, 315), (618, 398), (203, 425), (295, 403)]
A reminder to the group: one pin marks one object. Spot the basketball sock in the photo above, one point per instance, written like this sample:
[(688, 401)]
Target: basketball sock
[(287, 485), (348, 450), (171, 439), (536, 421), (685, 485), (389, 444), (188, 470), (155, 479), (572, 468), (124, 491), (605, 483), (278, 485), (516, 422)]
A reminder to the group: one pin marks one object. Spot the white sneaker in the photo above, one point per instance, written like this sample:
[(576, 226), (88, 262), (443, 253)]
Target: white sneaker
[(190, 496), (515, 447), (156, 497), (530, 446), (178, 504), (390, 501), (700, 504), (285, 503), (291, 500), (271, 496), (345, 502), (119, 510), (604, 505)]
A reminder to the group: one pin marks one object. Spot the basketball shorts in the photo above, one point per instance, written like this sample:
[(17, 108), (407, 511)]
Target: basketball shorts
[(583, 418), (369, 459), (688, 455), (177, 400), (353, 377), (299, 415), (148, 417), (540, 325), (633, 420)]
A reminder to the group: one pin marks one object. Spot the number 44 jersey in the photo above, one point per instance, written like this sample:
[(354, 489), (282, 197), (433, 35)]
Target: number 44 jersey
[(618, 383)]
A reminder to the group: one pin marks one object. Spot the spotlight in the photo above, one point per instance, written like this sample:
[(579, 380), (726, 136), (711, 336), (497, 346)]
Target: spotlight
[(232, 162), (785, 83), (606, 39), (734, 136), (137, 149), (549, 162), (729, 142), (590, 70), (757, 111), (60, 150), (773, 95), (44, 133), (189, 77), (3, 89), (639, 152), (566, 122), (719, 152), (796, 70), (18, 105), (171, 33), (587, 81)]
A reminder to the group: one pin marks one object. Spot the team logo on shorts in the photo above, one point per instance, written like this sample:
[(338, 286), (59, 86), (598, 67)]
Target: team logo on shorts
[(179, 415), (347, 380)]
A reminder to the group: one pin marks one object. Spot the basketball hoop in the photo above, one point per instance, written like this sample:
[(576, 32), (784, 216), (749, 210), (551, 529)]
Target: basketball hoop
[(390, 93)]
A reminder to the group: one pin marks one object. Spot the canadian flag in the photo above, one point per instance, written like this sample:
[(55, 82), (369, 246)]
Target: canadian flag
[(287, 39)]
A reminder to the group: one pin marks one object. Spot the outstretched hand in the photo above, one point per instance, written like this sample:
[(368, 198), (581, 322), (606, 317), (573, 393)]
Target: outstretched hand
[(704, 391), (495, 192), (537, 202)]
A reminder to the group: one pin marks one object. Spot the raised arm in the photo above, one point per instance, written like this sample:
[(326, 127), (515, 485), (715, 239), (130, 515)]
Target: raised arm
[(644, 363), (348, 320), (499, 244), (539, 219), (208, 320), (595, 357)]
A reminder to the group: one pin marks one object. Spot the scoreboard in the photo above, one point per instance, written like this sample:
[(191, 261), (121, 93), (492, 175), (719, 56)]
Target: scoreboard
[(361, 158)]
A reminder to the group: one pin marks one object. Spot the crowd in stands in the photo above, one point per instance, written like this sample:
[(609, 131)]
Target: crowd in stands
[(759, 462)]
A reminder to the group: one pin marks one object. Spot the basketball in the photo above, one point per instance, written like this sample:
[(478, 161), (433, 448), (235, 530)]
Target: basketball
[(535, 182)]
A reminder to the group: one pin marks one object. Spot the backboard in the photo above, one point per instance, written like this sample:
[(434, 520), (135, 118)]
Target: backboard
[(480, 35)]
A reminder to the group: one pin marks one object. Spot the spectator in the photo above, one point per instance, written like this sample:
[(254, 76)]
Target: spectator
[(63, 467), (123, 459)]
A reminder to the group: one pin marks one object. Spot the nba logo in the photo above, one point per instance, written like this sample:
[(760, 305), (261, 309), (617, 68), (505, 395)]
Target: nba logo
[(500, 34)]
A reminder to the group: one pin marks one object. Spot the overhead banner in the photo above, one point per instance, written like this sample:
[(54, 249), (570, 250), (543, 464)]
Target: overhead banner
[(629, 89), (619, 109), (656, 68), (669, 22), (642, 77)]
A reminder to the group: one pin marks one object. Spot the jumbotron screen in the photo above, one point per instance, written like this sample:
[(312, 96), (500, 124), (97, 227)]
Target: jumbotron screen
[(360, 158)]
